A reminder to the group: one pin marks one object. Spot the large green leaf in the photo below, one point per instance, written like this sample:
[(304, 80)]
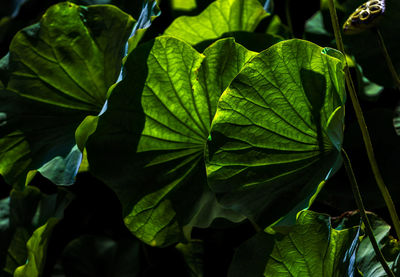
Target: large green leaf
[(311, 248), (219, 17), (277, 132), (60, 71), (149, 145)]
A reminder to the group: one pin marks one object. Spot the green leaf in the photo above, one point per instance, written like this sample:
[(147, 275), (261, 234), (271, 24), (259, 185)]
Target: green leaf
[(158, 120), (183, 5), (60, 71), (276, 27), (251, 256), (367, 262), (37, 247), (5, 230), (311, 248), (327, 252), (219, 17), (101, 256), (28, 210), (277, 132), (193, 254)]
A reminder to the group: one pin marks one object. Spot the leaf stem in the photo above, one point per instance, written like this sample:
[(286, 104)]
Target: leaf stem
[(288, 17), (388, 60), (363, 126), (361, 208)]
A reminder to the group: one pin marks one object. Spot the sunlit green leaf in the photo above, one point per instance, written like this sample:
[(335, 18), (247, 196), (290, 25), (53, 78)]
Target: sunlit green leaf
[(311, 248), (277, 132), (220, 17), (183, 5), (149, 145), (327, 252), (37, 247)]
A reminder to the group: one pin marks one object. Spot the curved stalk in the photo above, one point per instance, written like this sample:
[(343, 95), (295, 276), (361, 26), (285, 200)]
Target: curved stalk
[(360, 205), (388, 60), (361, 122)]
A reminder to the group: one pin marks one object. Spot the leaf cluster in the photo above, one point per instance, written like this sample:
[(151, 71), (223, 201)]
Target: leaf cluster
[(193, 138)]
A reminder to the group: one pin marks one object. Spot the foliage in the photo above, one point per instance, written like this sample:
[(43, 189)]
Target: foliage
[(192, 138)]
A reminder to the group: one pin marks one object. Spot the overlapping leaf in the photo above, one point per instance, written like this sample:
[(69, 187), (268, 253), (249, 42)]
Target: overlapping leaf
[(311, 248), (60, 71), (27, 211), (37, 249), (367, 261), (220, 17), (277, 132), (149, 145)]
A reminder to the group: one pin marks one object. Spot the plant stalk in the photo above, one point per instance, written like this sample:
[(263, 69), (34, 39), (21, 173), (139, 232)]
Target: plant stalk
[(388, 60), (364, 217), (363, 126)]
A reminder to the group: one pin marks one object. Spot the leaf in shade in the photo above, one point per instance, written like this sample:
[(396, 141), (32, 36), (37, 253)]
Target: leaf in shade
[(277, 132), (149, 12), (193, 254), (219, 17), (149, 144), (311, 248), (60, 71), (101, 256), (367, 262), (28, 210)]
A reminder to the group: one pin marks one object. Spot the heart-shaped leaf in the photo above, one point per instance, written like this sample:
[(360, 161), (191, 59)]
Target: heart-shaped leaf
[(149, 145), (277, 132)]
